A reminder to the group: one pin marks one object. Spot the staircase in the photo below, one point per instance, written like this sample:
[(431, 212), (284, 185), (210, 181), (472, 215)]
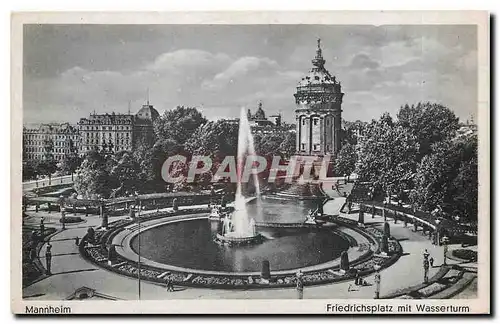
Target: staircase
[(302, 191)]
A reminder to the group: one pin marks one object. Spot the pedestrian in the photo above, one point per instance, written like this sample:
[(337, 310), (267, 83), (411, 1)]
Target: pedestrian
[(358, 279), (48, 258), (300, 285), (431, 261)]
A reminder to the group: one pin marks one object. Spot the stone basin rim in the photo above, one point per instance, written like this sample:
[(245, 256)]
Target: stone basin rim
[(123, 240)]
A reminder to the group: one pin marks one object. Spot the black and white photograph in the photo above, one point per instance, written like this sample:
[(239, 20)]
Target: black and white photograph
[(344, 164)]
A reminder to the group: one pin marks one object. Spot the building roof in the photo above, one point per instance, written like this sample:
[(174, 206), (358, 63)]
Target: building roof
[(318, 75), (64, 128), (147, 113), (107, 119)]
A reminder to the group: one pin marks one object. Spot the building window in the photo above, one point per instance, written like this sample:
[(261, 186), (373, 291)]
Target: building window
[(315, 122), (303, 121)]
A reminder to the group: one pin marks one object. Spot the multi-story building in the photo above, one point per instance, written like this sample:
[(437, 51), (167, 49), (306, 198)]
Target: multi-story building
[(318, 110), (260, 124), (117, 132), (50, 141), (108, 132)]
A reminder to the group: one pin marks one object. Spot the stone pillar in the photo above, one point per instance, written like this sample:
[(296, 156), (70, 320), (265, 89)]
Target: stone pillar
[(91, 235), (384, 214), (361, 219), (111, 255), (265, 270), (344, 261), (387, 229), (63, 217), (384, 244), (175, 205), (104, 215)]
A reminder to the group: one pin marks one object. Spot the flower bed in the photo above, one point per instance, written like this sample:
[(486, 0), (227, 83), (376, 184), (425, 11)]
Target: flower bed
[(364, 264), (71, 219), (465, 254)]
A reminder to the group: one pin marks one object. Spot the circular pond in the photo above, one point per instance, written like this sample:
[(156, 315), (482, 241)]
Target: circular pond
[(190, 243)]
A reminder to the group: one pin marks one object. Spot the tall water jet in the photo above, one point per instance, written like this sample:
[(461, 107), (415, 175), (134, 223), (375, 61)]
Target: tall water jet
[(238, 227), (246, 149)]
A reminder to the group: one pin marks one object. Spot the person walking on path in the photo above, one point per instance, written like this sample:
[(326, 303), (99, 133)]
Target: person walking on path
[(300, 285), (48, 258), (170, 286), (431, 261)]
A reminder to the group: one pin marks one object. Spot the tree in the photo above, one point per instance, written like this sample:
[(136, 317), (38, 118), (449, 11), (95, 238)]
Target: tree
[(429, 123), (387, 154), (345, 161), (126, 174), (30, 169), (48, 165), (216, 139), (352, 131), (448, 178), (269, 144), (288, 145), (70, 163), (93, 178), (178, 124)]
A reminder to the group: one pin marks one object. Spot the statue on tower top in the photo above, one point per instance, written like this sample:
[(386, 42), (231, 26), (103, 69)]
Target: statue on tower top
[(318, 61)]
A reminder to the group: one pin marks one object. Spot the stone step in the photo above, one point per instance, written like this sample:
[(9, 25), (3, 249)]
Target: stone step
[(457, 287)]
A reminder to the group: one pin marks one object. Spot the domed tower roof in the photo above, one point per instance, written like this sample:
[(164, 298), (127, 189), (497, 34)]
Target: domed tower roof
[(318, 81), (260, 114), (147, 113)]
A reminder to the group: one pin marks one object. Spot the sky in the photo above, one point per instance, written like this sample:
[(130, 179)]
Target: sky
[(72, 70)]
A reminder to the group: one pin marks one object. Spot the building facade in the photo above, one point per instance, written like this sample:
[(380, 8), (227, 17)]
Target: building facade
[(53, 141), (106, 132), (318, 111), (117, 132)]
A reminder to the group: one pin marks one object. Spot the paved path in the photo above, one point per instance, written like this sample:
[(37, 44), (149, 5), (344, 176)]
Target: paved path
[(70, 272), (29, 185)]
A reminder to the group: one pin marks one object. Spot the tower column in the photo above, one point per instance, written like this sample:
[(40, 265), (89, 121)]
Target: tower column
[(298, 127)]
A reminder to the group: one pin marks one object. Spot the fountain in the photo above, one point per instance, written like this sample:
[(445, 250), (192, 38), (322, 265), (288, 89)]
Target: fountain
[(237, 227)]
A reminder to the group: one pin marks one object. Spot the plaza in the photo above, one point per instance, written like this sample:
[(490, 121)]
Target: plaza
[(70, 271), (384, 224)]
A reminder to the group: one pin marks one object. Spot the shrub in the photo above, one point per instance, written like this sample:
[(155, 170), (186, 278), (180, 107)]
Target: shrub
[(465, 254), (71, 219)]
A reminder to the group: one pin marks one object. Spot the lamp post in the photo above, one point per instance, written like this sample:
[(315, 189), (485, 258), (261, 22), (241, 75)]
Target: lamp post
[(377, 281), (63, 211), (137, 202), (138, 217), (438, 241)]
